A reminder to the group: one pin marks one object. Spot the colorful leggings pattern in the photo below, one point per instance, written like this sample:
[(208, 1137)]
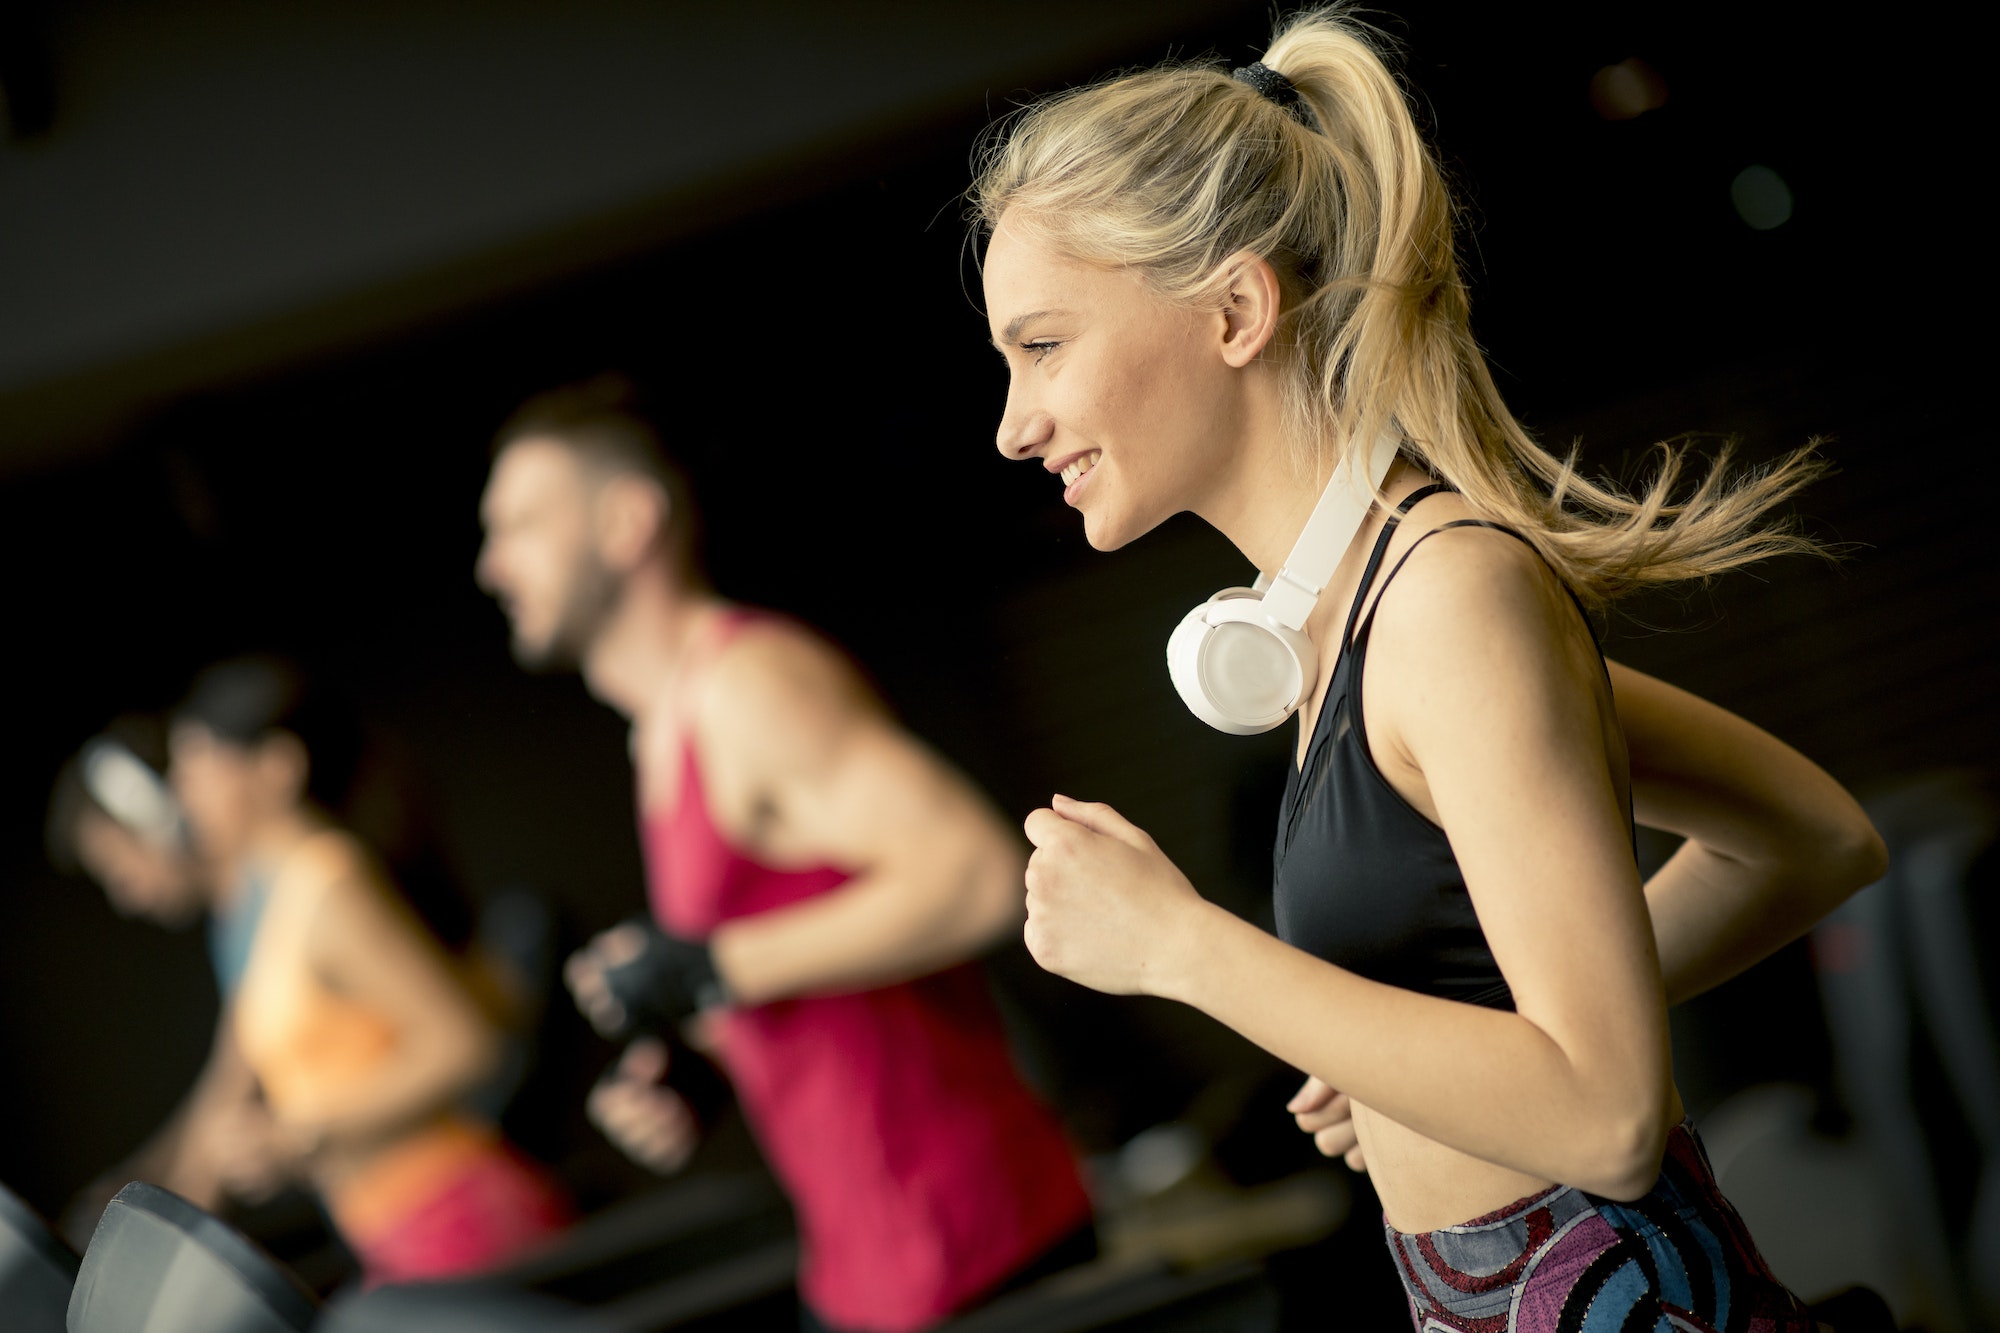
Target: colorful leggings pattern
[(1562, 1261)]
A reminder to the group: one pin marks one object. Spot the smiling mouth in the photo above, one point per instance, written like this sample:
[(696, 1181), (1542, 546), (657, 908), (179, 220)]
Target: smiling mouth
[(1076, 467)]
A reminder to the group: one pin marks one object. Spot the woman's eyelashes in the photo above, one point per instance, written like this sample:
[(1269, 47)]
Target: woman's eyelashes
[(1040, 348)]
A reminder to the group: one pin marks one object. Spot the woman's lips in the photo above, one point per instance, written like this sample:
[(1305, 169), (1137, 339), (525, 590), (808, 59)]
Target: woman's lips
[(1075, 471), (1079, 465)]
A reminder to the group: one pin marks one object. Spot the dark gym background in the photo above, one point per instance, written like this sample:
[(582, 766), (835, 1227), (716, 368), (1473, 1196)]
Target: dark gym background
[(270, 275)]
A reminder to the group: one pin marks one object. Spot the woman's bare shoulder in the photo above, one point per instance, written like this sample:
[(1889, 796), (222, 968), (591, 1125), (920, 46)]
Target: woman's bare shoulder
[(328, 857), (341, 886), (1457, 586)]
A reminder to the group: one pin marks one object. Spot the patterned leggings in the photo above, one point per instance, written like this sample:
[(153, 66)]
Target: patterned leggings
[(1562, 1261)]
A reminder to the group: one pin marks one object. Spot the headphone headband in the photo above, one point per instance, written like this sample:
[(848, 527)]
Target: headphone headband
[(126, 788), (1329, 530), (1242, 660)]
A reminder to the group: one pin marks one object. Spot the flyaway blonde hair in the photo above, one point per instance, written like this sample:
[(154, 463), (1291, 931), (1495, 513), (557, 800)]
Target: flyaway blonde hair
[(1171, 171)]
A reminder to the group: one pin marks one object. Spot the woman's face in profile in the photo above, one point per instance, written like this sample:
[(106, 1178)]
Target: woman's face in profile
[(226, 790), (1115, 389), (140, 876)]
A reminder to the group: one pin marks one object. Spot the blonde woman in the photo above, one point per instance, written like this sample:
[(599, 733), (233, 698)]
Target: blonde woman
[(1211, 289)]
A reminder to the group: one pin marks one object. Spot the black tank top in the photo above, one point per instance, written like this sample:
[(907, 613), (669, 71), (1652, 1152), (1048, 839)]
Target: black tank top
[(1360, 878)]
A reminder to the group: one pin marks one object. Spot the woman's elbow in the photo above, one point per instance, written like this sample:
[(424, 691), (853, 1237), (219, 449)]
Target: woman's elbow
[(472, 1057), (1849, 857), (1624, 1163), (1868, 856)]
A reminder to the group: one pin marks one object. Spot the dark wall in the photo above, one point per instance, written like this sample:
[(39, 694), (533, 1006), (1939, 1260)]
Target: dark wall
[(825, 372)]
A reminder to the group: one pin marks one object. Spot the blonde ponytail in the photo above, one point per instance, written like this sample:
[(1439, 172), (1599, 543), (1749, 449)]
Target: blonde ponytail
[(1171, 171)]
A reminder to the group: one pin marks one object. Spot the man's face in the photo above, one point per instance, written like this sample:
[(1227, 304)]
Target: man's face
[(540, 559)]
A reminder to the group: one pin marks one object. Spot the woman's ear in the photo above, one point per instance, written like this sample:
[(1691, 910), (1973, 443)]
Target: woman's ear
[(1251, 304), (283, 767)]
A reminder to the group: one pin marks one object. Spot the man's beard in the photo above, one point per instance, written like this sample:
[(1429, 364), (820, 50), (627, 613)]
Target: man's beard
[(593, 592)]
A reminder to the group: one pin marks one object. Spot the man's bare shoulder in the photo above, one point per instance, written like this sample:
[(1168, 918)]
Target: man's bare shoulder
[(780, 686)]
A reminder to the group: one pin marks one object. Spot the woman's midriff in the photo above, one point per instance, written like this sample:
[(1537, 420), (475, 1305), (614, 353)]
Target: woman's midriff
[(1426, 1186), (368, 1186)]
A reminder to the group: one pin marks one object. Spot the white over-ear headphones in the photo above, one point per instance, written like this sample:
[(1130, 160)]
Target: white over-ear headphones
[(1241, 659)]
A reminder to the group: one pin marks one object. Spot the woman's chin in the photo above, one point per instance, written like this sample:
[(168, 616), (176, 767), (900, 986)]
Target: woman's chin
[(1108, 532), (1103, 536)]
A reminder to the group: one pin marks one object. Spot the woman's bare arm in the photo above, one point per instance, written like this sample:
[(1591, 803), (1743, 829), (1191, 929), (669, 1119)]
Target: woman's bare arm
[(372, 949), (1773, 843), (181, 1155), (1481, 680)]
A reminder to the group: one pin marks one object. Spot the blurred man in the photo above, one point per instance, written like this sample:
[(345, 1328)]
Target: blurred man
[(816, 876)]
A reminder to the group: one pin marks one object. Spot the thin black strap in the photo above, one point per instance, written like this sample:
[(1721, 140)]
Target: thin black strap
[(1562, 582), (1518, 536), (1442, 527), (1419, 495), (1468, 523), (1381, 546)]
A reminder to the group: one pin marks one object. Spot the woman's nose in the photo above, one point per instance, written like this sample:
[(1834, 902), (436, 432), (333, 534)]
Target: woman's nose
[(1024, 429)]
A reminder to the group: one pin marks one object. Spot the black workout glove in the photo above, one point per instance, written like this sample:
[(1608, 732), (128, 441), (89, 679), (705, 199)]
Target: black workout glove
[(669, 980)]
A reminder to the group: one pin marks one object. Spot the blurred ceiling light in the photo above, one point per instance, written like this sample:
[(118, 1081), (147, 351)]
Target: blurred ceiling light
[(1761, 197), (1627, 89)]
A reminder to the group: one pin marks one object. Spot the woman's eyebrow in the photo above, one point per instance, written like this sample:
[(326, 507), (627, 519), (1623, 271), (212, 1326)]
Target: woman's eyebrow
[(1019, 322)]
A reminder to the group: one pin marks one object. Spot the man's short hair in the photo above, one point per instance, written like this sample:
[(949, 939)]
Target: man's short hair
[(603, 423)]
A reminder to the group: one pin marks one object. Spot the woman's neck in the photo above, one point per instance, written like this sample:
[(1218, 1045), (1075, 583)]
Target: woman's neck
[(1261, 499), (1264, 513), (269, 843)]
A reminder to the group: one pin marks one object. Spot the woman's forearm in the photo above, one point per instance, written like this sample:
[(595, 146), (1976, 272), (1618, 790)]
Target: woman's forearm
[(415, 1083), (1773, 842), (1715, 916), (172, 1159), (181, 1154), (1486, 1082)]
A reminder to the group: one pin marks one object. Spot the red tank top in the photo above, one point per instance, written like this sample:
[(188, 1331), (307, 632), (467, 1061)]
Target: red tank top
[(923, 1171)]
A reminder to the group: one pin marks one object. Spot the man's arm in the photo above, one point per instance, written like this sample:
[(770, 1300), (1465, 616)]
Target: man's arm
[(801, 763)]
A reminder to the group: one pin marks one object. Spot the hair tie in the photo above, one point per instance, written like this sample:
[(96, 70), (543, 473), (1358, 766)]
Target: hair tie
[(1277, 88)]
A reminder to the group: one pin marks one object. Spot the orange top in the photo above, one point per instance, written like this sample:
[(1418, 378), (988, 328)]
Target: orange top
[(308, 1045), (306, 1042)]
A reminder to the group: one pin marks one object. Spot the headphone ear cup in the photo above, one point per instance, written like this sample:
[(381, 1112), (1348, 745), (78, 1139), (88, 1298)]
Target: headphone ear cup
[(1184, 664), (1235, 668)]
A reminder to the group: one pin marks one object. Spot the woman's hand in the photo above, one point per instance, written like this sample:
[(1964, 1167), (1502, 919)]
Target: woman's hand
[(1105, 907), (1329, 1117), (255, 1154)]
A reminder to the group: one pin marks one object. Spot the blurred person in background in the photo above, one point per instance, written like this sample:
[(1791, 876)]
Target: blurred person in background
[(1212, 291), (113, 818), (348, 1036), (817, 877)]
